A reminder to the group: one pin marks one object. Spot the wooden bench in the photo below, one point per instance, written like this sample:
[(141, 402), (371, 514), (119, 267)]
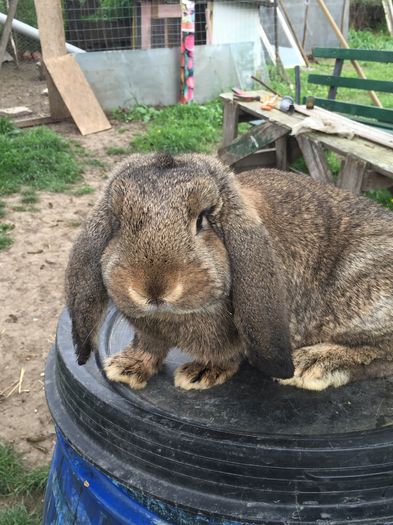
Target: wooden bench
[(367, 160), (372, 115)]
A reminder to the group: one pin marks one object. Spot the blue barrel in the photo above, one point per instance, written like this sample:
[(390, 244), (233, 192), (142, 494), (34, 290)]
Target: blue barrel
[(250, 451), (77, 492)]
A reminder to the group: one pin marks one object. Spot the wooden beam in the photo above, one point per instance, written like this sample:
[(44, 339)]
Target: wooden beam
[(376, 181), (251, 142), (39, 121), (263, 159), (314, 157), (5, 35)]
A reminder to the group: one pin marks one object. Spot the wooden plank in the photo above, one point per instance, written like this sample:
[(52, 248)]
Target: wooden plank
[(315, 159), (354, 83), (360, 129), (230, 122), (338, 66), (263, 159), (375, 181), (251, 142), (383, 114), (7, 29), (77, 94), (366, 55), (39, 121), (352, 174), (282, 153), (51, 27)]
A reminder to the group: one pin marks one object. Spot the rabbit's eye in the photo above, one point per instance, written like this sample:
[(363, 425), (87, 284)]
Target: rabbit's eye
[(201, 221)]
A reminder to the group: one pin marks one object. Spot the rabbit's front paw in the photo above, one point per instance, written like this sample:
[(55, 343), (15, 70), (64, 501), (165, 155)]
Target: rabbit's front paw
[(132, 367), (199, 376), (315, 369)]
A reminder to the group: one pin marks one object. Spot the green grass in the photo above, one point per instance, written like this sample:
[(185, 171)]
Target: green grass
[(19, 515), (117, 150), (21, 490), (182, 129), (33, 160), (5, 239), (82, 190), (2, 209)]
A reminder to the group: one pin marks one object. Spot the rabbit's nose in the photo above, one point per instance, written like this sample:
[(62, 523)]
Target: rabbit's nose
[(155, 301)]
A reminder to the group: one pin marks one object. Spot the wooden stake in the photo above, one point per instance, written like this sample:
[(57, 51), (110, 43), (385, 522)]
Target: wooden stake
[(344, 44), (388, 8), (5, 36)]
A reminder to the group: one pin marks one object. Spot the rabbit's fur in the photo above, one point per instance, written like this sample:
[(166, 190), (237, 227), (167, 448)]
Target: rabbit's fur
[(292, 274)]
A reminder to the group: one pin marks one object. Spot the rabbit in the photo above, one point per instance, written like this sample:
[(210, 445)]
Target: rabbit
[(276, 268)]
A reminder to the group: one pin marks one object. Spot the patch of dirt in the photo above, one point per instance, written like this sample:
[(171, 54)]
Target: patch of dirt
[(32, 273)]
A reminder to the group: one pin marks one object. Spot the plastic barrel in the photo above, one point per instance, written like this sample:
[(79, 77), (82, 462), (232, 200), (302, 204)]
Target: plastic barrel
[(248, 451)]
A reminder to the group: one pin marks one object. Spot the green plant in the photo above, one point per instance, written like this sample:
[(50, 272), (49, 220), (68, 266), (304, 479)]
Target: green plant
[(2, 209), (110, 10), (142, 113), (29, 196), (82, 190), (5, 242)]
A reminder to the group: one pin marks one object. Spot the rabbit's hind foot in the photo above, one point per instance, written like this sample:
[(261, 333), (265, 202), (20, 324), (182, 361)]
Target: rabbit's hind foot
[(132, 367), (200, 376), (330, 365)]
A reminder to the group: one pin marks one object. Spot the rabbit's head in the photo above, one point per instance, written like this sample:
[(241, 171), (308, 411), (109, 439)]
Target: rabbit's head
[(174, 236)]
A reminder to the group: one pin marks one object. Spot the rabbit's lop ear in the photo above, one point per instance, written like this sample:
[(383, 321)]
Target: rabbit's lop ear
[(260, 311), (85, 290)]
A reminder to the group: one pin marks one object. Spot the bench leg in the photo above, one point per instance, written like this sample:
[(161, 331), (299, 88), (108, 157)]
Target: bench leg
[(231, 119), (315, 159), (352, 175), (282, 153)]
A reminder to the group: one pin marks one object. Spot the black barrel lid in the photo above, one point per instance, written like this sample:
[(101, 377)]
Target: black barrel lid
[(250, 450)]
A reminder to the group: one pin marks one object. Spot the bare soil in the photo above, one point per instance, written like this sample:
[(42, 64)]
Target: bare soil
[(32, 273)]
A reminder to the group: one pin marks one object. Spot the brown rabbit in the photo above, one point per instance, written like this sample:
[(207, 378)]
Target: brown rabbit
[(294, 275)]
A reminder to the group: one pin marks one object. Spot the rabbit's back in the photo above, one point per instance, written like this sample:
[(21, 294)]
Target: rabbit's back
[(336, 248)]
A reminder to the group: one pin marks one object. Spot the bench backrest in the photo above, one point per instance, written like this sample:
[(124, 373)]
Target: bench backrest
[(383, 116)]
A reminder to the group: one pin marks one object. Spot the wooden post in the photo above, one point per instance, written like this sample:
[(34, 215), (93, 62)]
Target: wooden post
[(230, 122), (344, 44), (282, 153), (5, 36), (146, 24), (352, 174)]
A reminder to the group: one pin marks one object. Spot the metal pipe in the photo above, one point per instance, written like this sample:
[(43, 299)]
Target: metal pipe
[(32, 32)]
